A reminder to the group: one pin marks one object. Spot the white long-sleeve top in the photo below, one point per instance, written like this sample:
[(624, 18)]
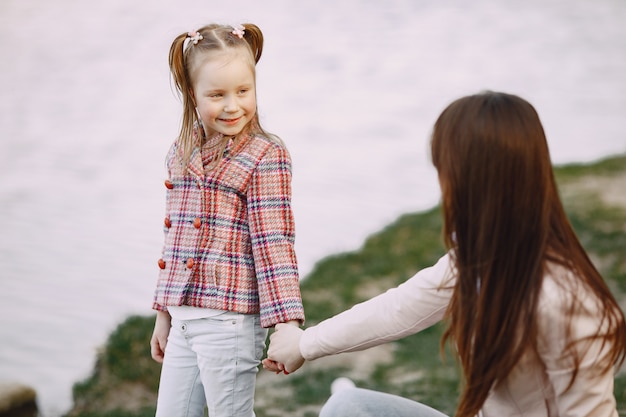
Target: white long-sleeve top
[(536, 387)]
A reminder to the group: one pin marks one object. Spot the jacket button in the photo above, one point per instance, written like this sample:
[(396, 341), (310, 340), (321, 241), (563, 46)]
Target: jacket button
[(161, 264), (190, 263), (168, 184), (168, 222), (197, 222)]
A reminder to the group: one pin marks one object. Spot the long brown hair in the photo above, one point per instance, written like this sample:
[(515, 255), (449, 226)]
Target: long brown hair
[(185, 54), (504, 221)]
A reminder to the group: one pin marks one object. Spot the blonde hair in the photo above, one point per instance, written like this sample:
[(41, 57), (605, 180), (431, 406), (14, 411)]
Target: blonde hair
[(186, 52)]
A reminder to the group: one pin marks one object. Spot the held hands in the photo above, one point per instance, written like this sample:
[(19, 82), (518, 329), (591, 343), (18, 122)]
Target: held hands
[(284, 354)]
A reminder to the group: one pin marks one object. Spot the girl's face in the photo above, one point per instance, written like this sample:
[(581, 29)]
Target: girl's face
[(225, 93)]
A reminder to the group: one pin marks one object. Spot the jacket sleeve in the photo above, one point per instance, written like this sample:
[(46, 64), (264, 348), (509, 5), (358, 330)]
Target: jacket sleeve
[(409, 308), (169, 160), (591, 393), (272, 234)]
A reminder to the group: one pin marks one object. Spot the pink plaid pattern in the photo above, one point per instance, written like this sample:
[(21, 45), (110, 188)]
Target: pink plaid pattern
[(229, 235)]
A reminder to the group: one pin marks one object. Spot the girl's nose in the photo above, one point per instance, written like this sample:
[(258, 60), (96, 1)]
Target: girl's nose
[(231, 105)]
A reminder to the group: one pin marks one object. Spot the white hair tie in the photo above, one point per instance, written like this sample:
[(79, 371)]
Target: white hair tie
[(192, 37), (239, 31)]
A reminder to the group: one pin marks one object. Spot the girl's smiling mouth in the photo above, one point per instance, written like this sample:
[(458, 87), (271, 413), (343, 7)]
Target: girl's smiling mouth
[(230, 121)]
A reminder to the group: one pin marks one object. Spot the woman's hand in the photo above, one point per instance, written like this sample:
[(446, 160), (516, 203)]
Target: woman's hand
[(283, 353)]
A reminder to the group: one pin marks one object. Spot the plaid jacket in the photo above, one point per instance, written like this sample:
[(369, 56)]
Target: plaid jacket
[(229, 234)]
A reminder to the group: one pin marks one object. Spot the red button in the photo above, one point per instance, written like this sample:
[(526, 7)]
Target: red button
[(167, 222), (190, 263), (197, 222), (161, 264), (168, 184)]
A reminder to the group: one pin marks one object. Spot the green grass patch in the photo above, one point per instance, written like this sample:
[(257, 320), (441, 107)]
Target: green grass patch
[(613, 165)]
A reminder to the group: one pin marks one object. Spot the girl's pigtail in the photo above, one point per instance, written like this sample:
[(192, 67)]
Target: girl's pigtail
[(183, 85), (254, 37), (176, 61)]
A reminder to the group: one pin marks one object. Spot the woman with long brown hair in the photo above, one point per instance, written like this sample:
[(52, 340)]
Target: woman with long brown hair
[(536, 329)]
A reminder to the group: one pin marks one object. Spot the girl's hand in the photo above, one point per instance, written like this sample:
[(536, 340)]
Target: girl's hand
[(159, 336), (273, 366), (285, 348)]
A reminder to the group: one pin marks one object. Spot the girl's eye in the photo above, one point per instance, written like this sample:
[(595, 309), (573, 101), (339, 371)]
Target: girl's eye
[(243, 91)]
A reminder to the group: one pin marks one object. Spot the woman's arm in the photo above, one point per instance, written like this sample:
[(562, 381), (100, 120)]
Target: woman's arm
[(409, 308)]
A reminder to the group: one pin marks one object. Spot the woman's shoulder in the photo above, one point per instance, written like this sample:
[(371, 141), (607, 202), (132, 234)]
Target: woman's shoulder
[(560, 286), (563, 294), (569, 316)]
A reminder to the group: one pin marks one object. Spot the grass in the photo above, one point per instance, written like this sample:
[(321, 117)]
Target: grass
[(606, 167)]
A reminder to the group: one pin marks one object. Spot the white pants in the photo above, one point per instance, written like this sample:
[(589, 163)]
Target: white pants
[(211, 361)]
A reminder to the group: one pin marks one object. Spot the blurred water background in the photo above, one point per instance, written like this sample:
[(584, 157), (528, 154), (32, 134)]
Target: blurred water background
[(353, 87)]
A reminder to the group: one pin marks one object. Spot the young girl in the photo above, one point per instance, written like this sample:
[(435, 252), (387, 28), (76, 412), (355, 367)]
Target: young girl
[(536, 329), (228, 267)]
